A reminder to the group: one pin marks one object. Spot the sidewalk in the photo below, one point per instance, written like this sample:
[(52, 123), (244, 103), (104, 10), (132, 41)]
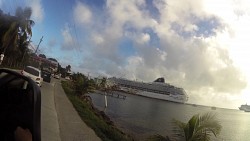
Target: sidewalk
[(71, 127), (49, 119)]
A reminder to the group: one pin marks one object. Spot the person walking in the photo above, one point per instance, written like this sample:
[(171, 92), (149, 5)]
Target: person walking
[(1, 58)]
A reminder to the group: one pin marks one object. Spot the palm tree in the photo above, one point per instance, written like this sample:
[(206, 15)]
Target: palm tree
[(198, 128), (103, 83), (19, 27), (68, 68), (15, 34)]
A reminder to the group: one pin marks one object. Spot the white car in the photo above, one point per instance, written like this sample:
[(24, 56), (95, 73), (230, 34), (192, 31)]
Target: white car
[(67, 78), (57, 76), (33, 73)]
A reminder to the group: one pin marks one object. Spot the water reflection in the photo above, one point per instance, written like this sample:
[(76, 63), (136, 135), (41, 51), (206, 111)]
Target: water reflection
[(142, 116)]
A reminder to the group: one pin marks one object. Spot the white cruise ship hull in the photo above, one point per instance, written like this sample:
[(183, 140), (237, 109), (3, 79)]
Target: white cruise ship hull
[(170, 97)]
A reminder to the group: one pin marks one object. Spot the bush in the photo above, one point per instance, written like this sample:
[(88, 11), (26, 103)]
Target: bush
[(105, 130)]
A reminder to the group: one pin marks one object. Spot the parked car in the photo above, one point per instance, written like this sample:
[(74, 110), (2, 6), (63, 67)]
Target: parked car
[(46, 76), (57, 76), (67, 78), (33, 73)]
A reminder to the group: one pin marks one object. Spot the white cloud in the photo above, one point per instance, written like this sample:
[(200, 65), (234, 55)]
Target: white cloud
[(68, 40), (194, 44), (97, 39), (82, 14), (124, 15), (144, 38), (37, 10), (162, 54), (140, 38)]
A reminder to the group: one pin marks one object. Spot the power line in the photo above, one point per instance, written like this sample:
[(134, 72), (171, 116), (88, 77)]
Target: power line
[(77, 48)]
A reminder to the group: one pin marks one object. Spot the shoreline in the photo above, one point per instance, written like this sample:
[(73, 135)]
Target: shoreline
[(191, 104), (96, 119)]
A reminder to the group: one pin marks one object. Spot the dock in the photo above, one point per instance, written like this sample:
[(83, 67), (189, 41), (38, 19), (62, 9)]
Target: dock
[(114, 94)]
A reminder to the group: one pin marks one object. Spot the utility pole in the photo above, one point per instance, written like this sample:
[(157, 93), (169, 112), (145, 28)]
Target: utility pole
[(39, 44)]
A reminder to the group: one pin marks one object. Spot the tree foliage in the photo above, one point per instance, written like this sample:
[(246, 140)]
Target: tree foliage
[(68, 68), (198, 128), (82, 84), (15, 33), (42, 55), (103, 83)]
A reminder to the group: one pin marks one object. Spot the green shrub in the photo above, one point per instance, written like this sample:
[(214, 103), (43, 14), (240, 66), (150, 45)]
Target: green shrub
[(104, 130)]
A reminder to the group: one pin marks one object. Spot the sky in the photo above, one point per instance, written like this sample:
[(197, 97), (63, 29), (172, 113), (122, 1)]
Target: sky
[(199, 45)]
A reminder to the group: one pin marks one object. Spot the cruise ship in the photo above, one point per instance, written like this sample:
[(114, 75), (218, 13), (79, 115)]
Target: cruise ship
[(245, 108), (157, 89)]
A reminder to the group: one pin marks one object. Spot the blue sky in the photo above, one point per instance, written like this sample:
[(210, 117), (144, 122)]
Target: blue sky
[(200, 45)]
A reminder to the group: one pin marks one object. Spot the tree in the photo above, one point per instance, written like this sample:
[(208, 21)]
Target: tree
[(103, 83), (15, 35), (82, 85), (52, 59), (42, 56), (68, 68), (18, 29), (198, 128)]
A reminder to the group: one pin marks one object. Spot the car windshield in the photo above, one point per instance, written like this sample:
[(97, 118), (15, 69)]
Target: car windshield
[(31, 71), (142, 64)]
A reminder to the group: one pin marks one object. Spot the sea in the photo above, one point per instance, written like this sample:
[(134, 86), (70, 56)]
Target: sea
[(142, 117)]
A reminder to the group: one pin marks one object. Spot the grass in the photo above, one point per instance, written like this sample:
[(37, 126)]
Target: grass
[(104, 130)]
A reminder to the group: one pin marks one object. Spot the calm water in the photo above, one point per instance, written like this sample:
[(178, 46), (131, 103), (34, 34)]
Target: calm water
[(141, 116)]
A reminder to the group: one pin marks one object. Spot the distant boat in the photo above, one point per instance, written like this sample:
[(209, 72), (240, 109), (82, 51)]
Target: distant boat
[(245, 108)]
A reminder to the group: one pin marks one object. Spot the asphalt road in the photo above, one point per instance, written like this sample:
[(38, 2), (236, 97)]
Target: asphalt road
[(59, 119)]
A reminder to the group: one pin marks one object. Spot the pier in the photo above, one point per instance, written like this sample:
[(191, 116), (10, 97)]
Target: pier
[(114, 94)]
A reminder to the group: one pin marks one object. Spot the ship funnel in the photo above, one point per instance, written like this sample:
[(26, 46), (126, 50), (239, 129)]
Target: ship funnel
[(161, 79)]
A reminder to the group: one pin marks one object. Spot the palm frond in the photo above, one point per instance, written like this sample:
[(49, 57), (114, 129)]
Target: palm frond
[(10, 36), (209, 122), (199, 127), (178, 129)]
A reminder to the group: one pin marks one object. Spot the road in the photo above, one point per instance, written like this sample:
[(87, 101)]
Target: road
[(59, 120)]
